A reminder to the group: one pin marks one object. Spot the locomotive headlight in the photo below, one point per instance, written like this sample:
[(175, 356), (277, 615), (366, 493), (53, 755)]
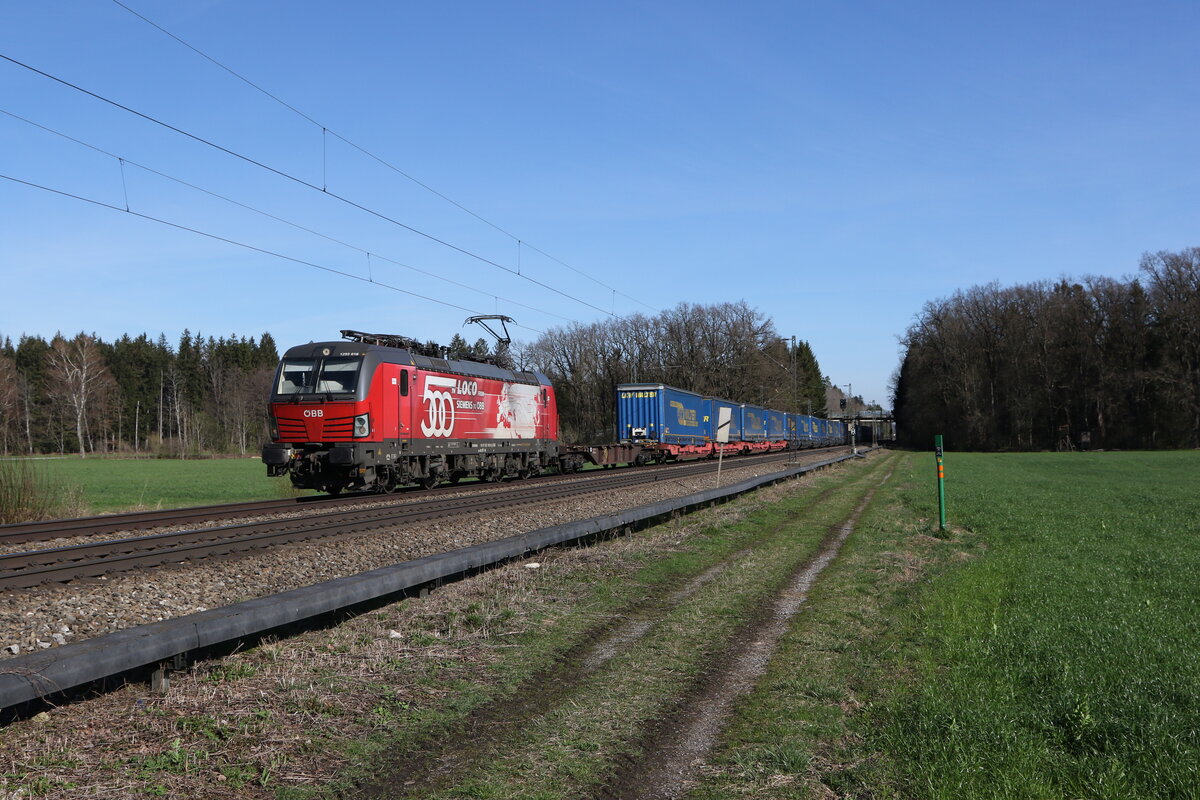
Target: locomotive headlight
[(274, 428), (362, 426)]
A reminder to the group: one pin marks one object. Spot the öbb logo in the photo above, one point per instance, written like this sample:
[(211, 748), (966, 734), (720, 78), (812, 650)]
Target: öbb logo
[(314, 412), (439, 411)]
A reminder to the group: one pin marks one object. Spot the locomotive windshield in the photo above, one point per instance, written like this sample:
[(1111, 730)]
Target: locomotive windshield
[(336, 375)]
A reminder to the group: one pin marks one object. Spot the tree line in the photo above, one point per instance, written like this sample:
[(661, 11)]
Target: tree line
[(1098, 363), (139, 395), (730, 350), (134, 395)]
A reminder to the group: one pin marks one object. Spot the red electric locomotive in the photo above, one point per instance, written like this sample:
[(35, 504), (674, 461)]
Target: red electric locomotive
[(369, 413)]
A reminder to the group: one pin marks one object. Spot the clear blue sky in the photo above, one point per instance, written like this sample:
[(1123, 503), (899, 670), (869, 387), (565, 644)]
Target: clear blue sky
[(834, 164)]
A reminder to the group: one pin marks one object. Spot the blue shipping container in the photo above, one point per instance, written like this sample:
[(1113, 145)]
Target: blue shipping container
[(754, 424), (799, 424), (654, 412), (809, 428), (735, 418), (776, 425)]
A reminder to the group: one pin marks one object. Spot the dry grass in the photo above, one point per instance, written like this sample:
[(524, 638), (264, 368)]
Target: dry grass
[(28, 492)]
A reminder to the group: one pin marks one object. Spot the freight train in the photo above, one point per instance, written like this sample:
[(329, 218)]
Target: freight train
[(673, 423), (370, 413)]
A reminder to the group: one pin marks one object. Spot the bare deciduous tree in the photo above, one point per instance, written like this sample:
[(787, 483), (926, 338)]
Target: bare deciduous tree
[(10, 403), (729, 350), (1100, 361), (77, 376)]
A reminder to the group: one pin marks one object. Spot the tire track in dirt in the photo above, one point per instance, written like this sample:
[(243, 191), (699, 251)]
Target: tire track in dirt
[(489, 726), (669, 765), (620, 639)]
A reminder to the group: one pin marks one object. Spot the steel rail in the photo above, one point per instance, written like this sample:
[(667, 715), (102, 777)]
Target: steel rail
[(42, 530), (24, 570)]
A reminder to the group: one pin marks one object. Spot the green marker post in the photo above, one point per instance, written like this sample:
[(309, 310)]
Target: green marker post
[(941, 482)]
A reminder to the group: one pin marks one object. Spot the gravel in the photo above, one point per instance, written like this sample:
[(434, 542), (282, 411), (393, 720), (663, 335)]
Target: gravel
[(50, 616)]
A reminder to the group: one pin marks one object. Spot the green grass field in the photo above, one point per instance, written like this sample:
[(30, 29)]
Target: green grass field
[(1048, 647), (114, 484), (1064, 661)]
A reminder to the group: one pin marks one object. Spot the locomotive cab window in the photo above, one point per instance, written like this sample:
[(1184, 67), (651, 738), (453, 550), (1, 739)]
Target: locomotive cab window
[(313, 376), (404, 383), (339, 375), (296, 376)]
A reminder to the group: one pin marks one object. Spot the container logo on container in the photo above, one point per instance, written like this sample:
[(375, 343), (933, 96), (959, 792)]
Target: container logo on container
[(687, 416)]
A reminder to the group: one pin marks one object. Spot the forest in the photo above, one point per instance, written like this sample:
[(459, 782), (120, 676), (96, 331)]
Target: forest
[(144, 396), (1095, 364), (136, 395)]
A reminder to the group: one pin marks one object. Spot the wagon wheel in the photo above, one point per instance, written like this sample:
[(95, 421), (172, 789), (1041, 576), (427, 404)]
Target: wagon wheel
[(430, 481)]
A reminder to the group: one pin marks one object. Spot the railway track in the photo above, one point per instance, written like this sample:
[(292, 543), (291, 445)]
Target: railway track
[(23, 570), (46, 530)]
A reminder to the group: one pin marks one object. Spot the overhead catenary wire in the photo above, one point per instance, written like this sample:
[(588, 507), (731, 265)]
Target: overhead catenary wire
[(326, 131), (269, 215), (244, 245), (300, 181)]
